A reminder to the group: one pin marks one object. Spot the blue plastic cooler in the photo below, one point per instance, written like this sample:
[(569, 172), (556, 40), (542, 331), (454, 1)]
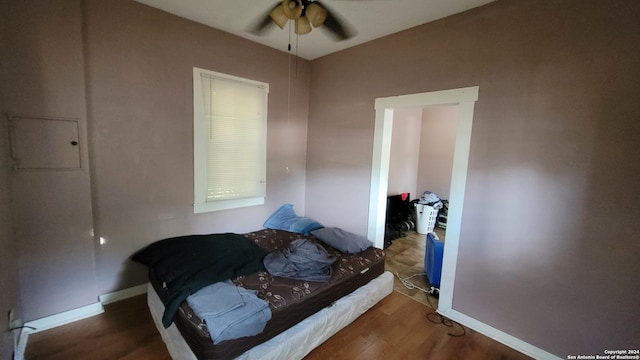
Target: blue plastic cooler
[(433, 259)]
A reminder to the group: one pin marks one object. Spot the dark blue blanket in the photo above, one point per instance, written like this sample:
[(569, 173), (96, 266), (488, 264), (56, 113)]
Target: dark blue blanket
[(185, 264)]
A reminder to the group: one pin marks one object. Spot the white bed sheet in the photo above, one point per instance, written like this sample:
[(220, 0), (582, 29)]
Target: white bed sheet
[(299, 340)]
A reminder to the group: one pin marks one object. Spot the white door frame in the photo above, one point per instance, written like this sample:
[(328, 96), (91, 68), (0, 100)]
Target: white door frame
[(465, 99)]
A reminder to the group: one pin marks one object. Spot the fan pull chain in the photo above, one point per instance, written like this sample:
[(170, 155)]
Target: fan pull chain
[(289, 90), (289, 46), (289, 80), (288, 93)]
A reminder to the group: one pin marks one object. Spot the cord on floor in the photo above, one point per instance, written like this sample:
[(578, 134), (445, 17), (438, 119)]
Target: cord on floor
[(411, 286), (433, 317)]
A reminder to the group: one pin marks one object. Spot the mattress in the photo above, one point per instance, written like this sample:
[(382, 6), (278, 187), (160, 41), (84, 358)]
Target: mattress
[(295, 342), (291, 301)]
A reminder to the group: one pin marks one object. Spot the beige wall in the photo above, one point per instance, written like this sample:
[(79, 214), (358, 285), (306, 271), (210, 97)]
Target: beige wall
[(9, 296), (139, 91), (549, 241), (405, 152), (437, 142), (422, 144), (127, 69), (51, 209)]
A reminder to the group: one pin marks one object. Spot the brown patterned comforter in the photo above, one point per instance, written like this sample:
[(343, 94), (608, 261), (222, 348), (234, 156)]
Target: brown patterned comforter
[(290, 300)]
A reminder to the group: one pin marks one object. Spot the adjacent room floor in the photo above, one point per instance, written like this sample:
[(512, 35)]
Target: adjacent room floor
[(405, 259)]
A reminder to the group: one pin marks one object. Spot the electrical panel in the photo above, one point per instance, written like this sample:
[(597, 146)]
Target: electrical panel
[(41, 143)]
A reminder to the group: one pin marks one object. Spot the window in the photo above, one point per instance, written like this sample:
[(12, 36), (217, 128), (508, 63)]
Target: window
[(230, 141)]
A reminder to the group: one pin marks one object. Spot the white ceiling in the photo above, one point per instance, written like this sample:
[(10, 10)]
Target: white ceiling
[(371, 19)]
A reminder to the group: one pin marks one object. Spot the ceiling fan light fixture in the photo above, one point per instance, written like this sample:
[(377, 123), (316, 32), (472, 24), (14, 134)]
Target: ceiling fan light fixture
[(302, 25), (316, 14), (278, 17), (292, 8)]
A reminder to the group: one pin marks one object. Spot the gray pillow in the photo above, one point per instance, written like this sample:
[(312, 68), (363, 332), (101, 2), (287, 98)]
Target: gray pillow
[(342, 240)]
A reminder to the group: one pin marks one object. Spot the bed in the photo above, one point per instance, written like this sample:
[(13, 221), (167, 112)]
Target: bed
[(303, 313)]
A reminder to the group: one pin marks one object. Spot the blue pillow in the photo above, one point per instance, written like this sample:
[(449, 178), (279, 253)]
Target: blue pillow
[(342, 240), (286, 219)]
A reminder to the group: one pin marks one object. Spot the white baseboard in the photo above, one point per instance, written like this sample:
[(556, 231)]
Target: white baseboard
[(499, 336), (64, 318), (123, 294), (84, 312)]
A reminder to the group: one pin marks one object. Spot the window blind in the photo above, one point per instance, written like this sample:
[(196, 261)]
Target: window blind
[(235, 113)]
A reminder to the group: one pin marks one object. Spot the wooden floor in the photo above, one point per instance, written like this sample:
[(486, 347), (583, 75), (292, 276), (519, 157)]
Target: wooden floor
[(124, 331), (405, 259), (395, 328)]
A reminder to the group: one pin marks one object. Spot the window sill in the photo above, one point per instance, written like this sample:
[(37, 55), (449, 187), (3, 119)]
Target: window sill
[(226, 204)]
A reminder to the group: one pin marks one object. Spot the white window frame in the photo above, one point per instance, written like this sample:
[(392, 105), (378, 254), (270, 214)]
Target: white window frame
[(200, 130)]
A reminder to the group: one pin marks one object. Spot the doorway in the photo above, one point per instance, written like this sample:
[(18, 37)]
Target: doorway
[(464, 99)]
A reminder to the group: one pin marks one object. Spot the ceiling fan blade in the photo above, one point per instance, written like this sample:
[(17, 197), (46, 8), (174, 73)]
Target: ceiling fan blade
[(265, 22), (338, 28)]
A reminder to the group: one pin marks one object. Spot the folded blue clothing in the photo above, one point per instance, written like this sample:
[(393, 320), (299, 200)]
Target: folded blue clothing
[(247, 320), (229, 311), (215, 299)]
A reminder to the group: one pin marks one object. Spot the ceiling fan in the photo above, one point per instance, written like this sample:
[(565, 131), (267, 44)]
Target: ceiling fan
[(306, 14)]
